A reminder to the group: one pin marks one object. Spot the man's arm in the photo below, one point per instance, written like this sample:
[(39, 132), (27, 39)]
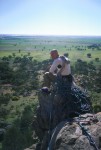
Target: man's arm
[(56, 63), (53, 68)]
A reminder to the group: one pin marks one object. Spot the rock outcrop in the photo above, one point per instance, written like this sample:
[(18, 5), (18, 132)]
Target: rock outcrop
[(69, 135), (65, 122)]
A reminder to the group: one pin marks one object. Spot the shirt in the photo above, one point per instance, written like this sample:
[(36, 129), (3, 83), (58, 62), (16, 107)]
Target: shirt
[(66, 70)]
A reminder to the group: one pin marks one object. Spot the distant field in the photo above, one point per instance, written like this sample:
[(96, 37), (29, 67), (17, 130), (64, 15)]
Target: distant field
[(39, 46)]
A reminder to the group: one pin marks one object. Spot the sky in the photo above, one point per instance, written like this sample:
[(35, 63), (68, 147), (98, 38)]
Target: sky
[(50, 17)]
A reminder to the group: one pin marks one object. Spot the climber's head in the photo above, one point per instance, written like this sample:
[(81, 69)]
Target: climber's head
[(54, 54)]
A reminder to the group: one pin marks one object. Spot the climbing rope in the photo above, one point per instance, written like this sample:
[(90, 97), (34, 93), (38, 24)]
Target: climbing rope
[(90, 138)]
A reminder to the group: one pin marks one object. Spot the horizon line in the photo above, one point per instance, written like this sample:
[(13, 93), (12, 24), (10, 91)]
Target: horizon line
[(47, 35)]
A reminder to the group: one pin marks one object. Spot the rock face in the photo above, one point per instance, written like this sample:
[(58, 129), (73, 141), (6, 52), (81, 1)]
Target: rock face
[(70, 136), (65, 122)]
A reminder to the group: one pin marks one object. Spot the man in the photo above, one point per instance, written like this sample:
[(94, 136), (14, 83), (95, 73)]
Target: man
[(60, 67)]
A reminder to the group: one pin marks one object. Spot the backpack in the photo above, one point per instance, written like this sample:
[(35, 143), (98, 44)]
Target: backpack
[(65, 60)]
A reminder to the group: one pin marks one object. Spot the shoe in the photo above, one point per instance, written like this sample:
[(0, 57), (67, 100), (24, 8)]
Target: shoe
[(45, 90)]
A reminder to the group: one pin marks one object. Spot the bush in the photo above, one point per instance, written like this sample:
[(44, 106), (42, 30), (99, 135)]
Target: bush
[(89, 55), (3, 112), (15, 98), (27, 117), (4, 99), (66, 54), (19, 136), (97, 59), (13, 140), (96, 108), (5, 72), (79, 69)]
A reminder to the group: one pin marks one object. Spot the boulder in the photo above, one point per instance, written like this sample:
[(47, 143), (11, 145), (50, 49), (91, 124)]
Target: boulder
[(71, 136)]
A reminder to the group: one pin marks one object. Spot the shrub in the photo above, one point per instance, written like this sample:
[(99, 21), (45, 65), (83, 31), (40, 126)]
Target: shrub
[(15, 98), (4, 99), (3, 112), (13, 140), (96, 108), (81, 70), (19, 136), (97, 59), (26, 118), (89, 55), (79, 60), (66, 54), (5, 72)]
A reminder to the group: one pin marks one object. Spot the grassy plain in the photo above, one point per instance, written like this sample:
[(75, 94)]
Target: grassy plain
[(40, 46)]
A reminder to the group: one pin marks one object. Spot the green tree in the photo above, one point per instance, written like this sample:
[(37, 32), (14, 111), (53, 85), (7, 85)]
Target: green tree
[(19, 136), (5, 72), (27, 117)]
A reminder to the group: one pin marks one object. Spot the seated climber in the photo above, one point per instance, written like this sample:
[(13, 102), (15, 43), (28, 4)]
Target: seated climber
[(59, 68)]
